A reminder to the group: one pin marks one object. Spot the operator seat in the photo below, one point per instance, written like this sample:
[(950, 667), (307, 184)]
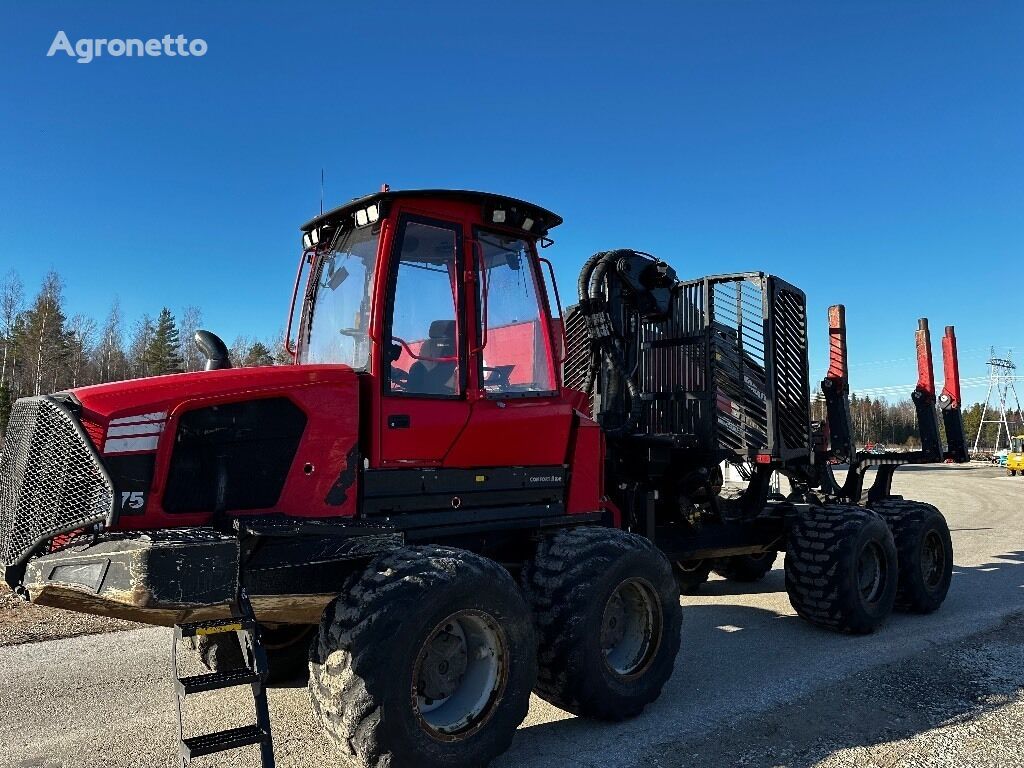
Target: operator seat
[(436, 377)]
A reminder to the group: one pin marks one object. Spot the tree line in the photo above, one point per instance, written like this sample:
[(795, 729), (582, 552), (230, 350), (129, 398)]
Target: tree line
[(895, 424), (44, 350)]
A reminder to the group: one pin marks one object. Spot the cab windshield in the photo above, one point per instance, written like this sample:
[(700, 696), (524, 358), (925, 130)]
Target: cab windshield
[(1017, 445), (340, 293)]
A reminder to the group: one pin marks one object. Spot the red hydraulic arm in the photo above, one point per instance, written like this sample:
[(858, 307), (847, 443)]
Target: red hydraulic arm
[(924, 394), (950, 367), (949, 400), (836, 386), (925, 371), (838, 367)]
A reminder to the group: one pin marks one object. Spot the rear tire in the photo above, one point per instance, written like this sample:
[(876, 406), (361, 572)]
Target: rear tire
[(690, 574), (746, 568), (426, 658), (841, 568), (924, 549), (606, 608)]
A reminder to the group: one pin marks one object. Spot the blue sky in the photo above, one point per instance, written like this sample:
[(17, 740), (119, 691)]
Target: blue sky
[(870, 152)]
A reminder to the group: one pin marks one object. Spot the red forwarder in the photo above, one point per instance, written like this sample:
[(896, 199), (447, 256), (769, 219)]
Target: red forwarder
[(456, 496)]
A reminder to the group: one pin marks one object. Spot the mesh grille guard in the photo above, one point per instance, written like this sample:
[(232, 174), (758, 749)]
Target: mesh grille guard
[(51, 479)]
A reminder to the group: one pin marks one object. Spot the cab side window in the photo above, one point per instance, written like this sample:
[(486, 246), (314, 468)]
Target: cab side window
[(516, 354), (424, 349)]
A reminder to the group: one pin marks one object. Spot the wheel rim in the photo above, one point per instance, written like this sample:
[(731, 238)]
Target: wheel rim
[(460, 674), (933, 559), (871, 572), (631, 627)]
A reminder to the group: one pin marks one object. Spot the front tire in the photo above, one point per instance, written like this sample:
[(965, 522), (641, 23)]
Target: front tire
[(924, 549), (606, 608), (426, 658), (841, 568)]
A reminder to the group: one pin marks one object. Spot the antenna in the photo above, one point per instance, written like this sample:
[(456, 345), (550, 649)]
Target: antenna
[(321, 191)]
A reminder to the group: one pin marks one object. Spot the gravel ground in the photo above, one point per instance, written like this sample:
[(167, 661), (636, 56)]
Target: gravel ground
[(754, 685), (22, 622), (955, 705)]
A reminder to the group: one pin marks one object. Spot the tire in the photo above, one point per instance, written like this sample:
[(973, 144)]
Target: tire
[(924, 550), (841, 568), (690, 574), (372, 666), (606, 608), (287, 650), (746, 568)]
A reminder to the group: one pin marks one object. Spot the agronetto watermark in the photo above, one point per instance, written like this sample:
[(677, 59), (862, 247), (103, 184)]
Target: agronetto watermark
[(87, 49)]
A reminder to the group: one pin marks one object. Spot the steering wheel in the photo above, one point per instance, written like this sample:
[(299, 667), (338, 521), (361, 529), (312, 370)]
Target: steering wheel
[(399, 379), (353, 333), (414, 356)]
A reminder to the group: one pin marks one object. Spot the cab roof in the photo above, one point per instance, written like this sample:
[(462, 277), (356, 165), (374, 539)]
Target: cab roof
[(546, 220)]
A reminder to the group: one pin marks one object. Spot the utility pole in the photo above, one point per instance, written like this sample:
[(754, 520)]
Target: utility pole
[(1000, 384)]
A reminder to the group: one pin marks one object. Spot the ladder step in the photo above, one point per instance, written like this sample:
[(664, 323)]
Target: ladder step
[(221, 741), (216, 680), (215, 626)]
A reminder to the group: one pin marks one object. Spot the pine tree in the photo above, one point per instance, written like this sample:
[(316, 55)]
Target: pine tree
[(42, 340), (257, 355), (163, 353)]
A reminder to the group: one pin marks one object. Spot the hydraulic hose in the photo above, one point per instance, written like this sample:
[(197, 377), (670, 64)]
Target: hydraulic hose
[(604, 334)]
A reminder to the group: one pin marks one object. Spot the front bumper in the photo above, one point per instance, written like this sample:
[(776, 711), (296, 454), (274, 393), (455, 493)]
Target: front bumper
[(159, 577)]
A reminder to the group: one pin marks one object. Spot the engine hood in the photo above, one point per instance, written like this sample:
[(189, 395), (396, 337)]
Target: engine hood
[(164, 394), (280, 440)]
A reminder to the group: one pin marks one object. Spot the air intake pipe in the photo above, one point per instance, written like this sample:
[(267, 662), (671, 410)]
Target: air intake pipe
[(213, 349)]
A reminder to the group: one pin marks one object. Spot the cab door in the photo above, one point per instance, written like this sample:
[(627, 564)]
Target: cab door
[(423, 403), (519, 417)]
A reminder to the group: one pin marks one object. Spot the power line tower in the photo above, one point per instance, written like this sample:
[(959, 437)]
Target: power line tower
[(1000, 383)]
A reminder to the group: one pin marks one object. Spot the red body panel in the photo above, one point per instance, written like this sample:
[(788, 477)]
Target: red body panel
[(514, 432), (327, 394), (586, 483), (433, 427)]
